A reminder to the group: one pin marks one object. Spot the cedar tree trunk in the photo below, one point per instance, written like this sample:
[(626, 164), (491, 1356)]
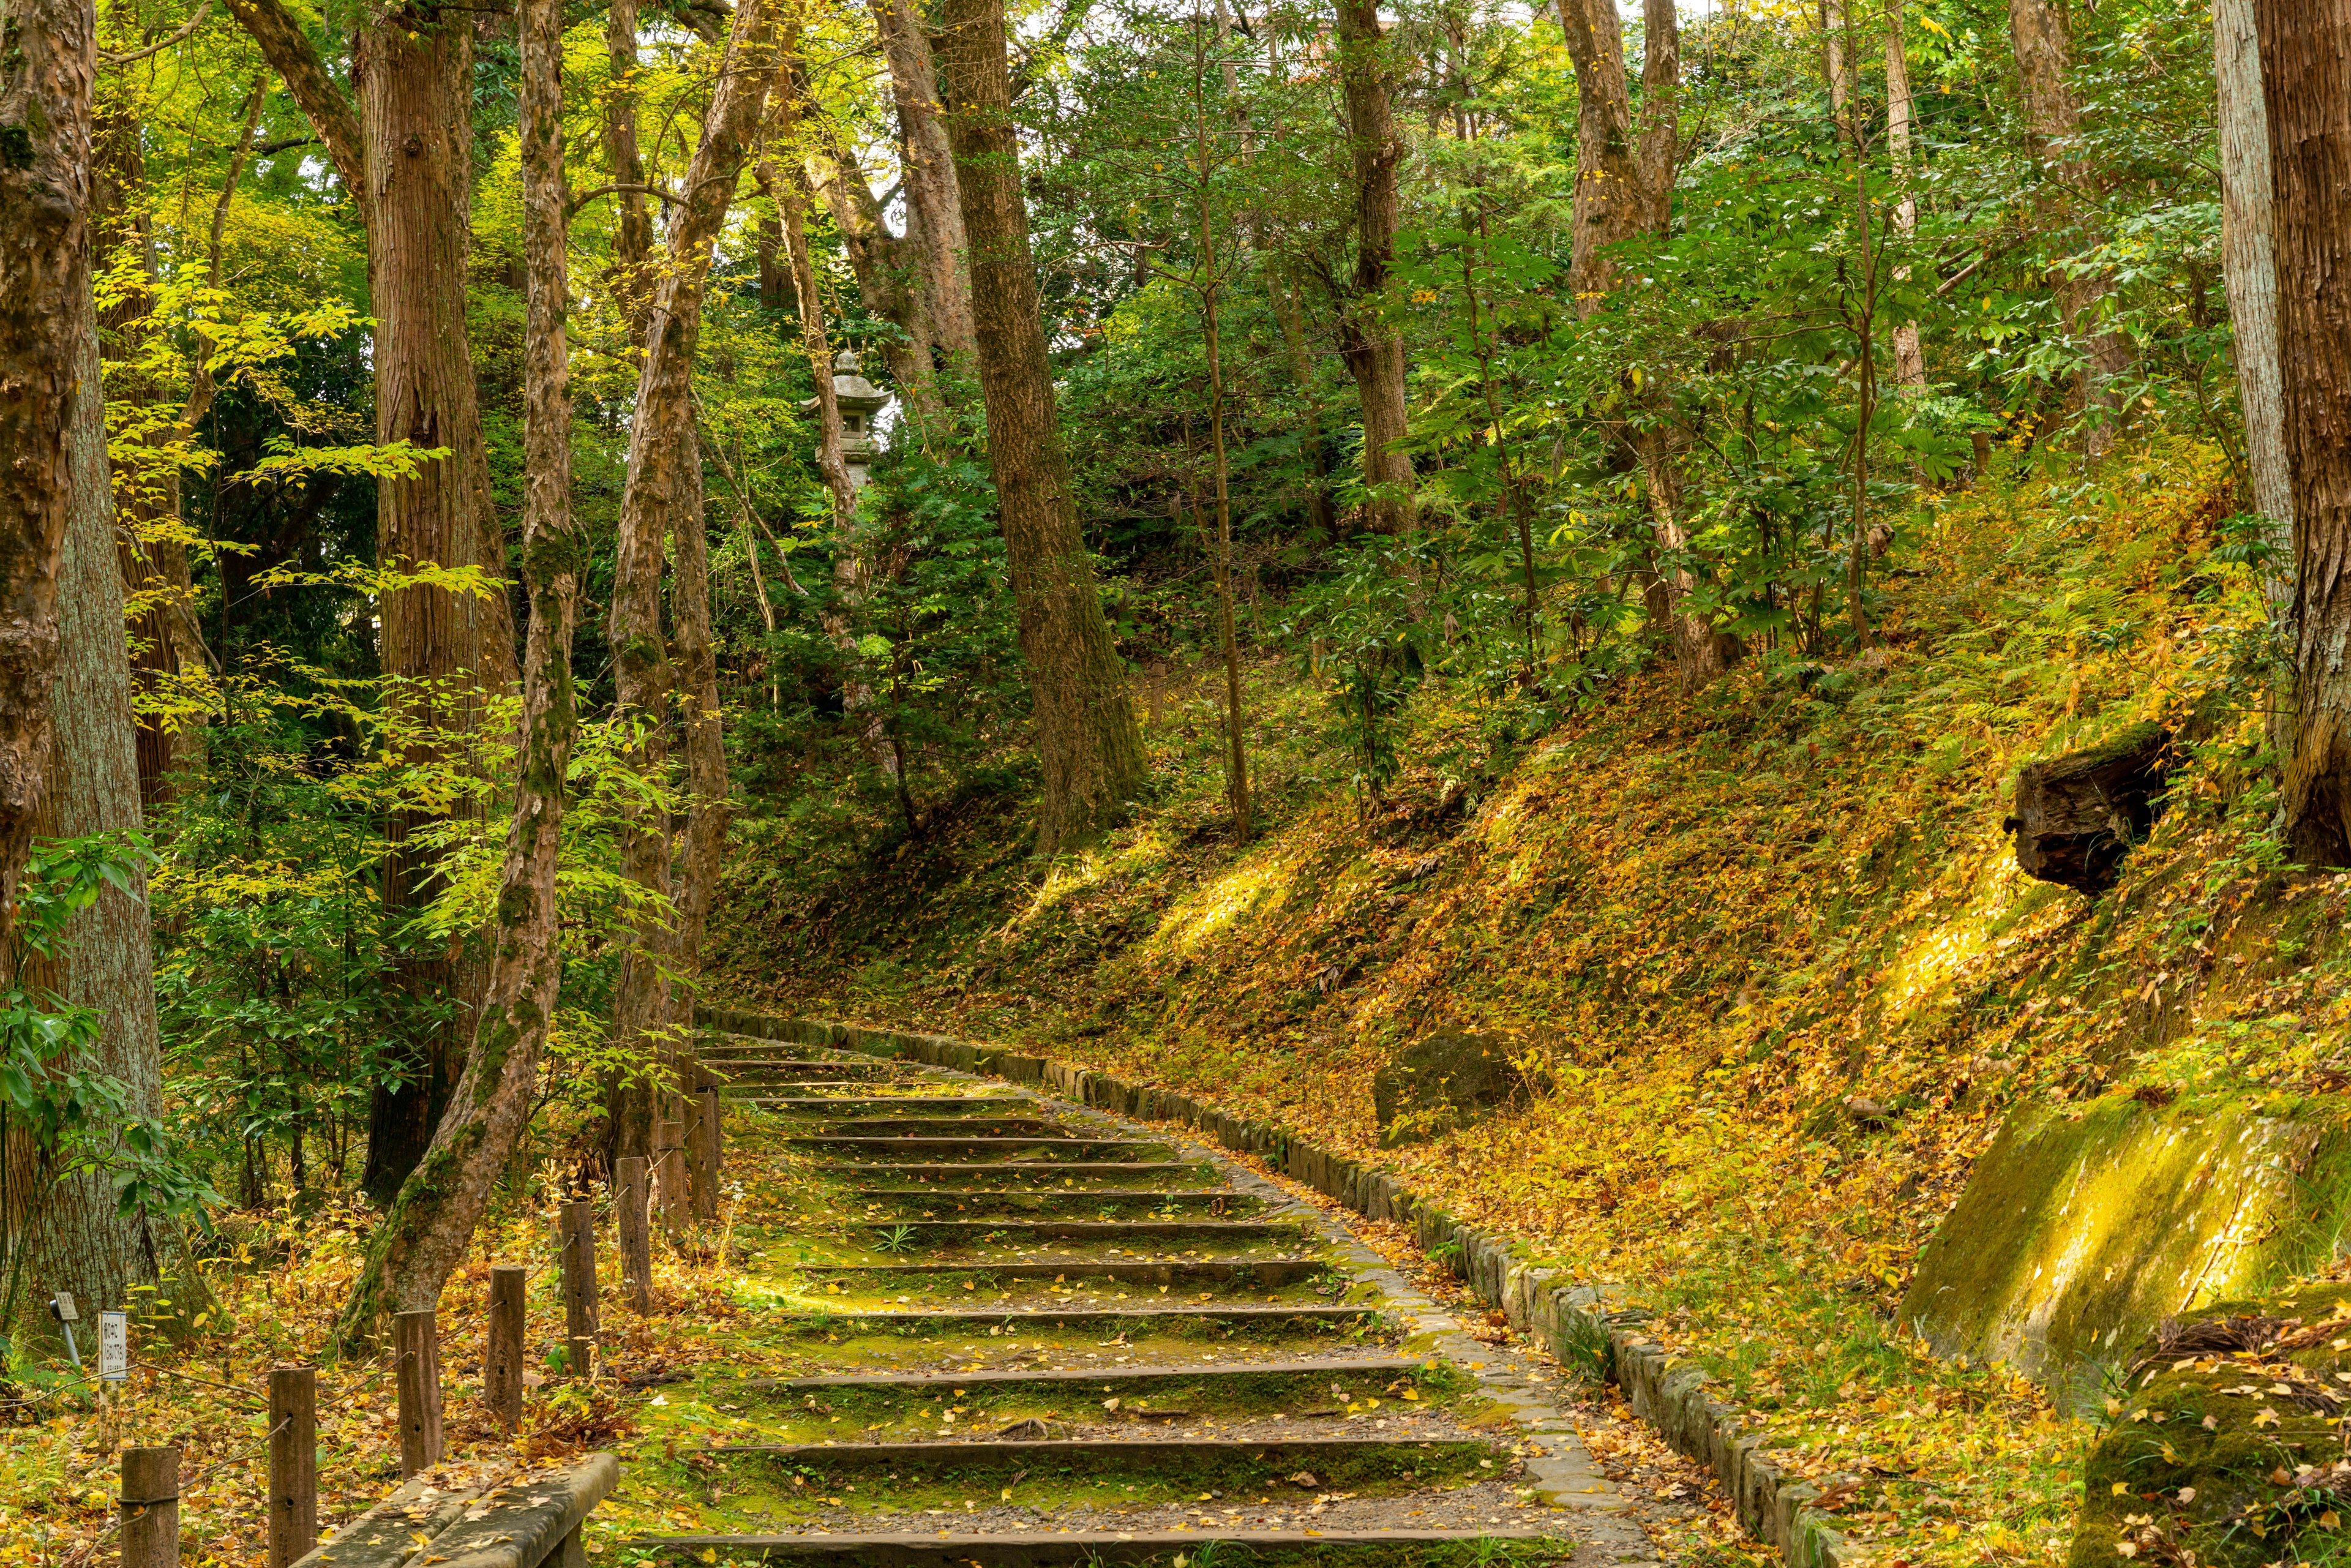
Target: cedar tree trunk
[(1370, 343), (432, 1221), (2306, 88), (46, 377), (1086, 738), (2249, 267)]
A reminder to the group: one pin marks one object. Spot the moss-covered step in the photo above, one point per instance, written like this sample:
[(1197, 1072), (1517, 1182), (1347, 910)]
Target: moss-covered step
[(1247, 1273), (981, 1203), (2082, 1227), (983, 1121), (1038, 1175), (1052, 1148), (1245, 1390), (1181, 1322), (1179, 1466), (2230, 1452), (1021, 1233), (1087, 1548), (841, 1106)]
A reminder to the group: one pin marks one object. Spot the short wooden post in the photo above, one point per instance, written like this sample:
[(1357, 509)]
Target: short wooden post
[(579, 1285), (502, 1362), (416, 1350), (292, 1463), (707, 1131), (670, 1197), (629, 1197), (150, 1508)]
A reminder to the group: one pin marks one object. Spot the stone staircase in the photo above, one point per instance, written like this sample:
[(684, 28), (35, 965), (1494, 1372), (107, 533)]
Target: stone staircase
[(1059, 1340)]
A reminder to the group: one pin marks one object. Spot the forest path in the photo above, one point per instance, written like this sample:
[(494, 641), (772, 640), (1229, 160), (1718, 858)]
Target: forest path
[(1051, 1337)]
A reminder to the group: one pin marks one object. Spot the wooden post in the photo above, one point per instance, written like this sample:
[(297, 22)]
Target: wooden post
[(416, 1351), (150, 1508), (293, 1464), (628, 1196), (579, 1285), (669, 1175), (708, 1131), (502, 1362)]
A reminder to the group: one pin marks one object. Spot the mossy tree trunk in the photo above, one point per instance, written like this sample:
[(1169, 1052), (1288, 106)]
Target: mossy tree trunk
[(1086, 737), (1371, 344), (431, 1221), (664, 493)]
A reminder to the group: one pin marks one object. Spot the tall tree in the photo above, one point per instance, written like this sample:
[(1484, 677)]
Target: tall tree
[(2249, 271), (403, 152), (46, 76), (2043, 37), (1087, 740), (2305, 64), (1371, 344), (934, 226), (425, 1234), (662, 493), (81, 1240), (1910, 357), (1610, 204)]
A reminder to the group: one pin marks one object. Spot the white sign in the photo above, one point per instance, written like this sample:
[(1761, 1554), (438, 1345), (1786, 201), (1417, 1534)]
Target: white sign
[(114, 1347)]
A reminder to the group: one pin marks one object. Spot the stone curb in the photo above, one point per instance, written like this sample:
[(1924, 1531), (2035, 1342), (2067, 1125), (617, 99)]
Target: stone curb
[(1568, 1320)]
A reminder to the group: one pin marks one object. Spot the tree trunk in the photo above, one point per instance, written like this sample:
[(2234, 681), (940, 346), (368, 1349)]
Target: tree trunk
[(406, 158), (662, 448), (2305, 64), (1609, 206), (1910, 357), (703, 849), (2043, 43), (1369, 342), (432, 1222), (1086, 738), (81, 1242), (1835, 65), (46, 378), (933, 205), (1237, 784), (632, 233), (2249, 266)]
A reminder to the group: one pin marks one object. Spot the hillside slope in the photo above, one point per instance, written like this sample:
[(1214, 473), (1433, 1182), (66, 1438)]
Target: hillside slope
[(1765, 948)]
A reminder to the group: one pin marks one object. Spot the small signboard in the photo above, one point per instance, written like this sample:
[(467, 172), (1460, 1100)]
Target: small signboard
[(114, 1347)]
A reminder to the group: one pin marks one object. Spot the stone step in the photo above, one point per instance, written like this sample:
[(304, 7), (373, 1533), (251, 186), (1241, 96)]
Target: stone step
[(1287, 1386), (1055, 1149), (1264, 1273), (1141, 1318), (1082, 1549), (879, 1105), (1016, 1232), (1054, 1171), (1364, 1465), (967, 1201), (977, 1126)]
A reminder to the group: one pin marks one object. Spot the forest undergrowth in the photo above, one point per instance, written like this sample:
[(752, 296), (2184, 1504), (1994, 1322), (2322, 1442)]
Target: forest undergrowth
[(1765, 950)]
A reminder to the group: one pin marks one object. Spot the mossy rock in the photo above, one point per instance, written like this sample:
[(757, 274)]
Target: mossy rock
[(2229, 1449)]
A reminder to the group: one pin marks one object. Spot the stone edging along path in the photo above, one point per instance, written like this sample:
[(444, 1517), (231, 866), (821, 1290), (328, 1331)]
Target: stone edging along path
[(1567, 1320)]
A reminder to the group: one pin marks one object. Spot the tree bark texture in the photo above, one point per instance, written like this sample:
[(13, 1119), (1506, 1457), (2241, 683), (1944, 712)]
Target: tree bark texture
[(1610, 205), (47, 374), (1086, 737), (432, 1221), (1835, 65), (1369, 342), (653, 501), (2305, 60), (1910, 356), (79, 1241), (934, 205), (703, 847), (2249, 269), (2044, 41)]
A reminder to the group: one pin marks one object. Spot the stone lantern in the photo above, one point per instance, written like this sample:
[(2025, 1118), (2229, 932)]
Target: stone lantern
[(860, 400)]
